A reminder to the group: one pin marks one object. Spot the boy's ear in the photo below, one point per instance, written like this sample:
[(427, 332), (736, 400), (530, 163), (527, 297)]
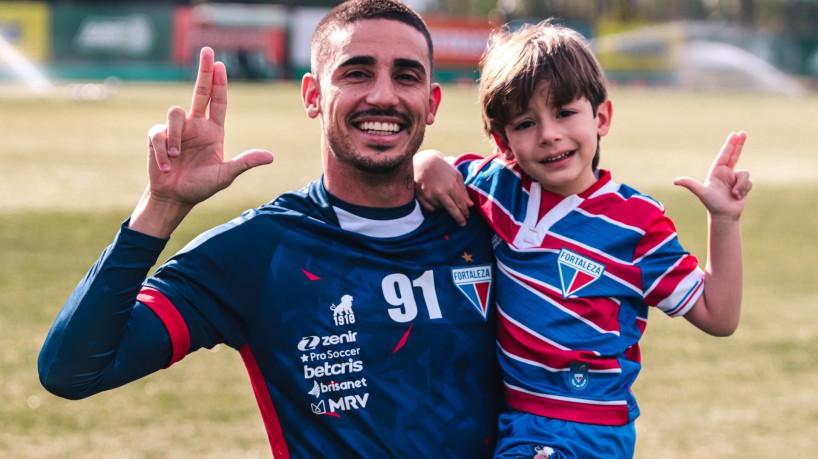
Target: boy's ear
[(502, 145), (604, 113)]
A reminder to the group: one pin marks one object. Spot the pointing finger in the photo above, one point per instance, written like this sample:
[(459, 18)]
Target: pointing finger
[(218, 98), (731, 150), (204, 83)]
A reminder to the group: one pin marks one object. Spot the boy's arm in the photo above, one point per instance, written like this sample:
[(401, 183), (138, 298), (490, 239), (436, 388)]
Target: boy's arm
[(723, 193), (439, 184)]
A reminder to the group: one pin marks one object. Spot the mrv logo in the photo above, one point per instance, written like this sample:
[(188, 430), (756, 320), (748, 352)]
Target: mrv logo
[(346, 403), (309, 343)]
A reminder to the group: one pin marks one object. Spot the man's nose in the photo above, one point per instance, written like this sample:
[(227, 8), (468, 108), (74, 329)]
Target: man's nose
[(383, 92)]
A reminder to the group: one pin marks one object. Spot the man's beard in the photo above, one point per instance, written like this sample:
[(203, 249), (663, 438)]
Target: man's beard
[(343, 150)]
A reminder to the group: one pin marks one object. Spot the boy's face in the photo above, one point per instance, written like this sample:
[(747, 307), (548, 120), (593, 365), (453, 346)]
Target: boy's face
[(556, 145)]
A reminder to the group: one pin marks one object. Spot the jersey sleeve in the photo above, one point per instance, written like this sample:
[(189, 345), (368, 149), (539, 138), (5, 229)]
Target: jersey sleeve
[(207, 292), (671, 277), (497, 191), (103, 338)]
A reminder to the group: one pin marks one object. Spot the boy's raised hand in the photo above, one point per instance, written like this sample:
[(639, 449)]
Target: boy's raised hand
[(725, 188), (186, 161)]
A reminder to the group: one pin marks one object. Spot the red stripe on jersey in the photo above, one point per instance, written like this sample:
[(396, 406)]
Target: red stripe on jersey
[(599, 311), (265, 405), (560, 408), (521, 343), (658, 234), (635, 211), (670, 281), (500, 222), (171, 318)]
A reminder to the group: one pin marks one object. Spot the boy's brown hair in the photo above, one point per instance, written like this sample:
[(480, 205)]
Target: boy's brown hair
[(515, 62)]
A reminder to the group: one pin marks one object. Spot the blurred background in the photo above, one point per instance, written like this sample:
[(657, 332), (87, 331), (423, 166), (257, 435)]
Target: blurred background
[(81, 82), (755, 45)]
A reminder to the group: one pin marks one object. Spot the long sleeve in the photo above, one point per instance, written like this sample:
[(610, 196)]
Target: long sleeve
[(103, 337)]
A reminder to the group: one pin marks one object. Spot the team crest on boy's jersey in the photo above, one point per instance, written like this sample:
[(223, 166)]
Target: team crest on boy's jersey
[(578, 375), (475, 283), (577, 272)]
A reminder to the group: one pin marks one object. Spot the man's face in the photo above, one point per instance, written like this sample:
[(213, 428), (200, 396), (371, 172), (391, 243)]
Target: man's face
[(374, 95)]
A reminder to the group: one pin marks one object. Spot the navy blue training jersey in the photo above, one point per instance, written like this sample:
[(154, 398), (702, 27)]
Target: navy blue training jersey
[(355, 346)]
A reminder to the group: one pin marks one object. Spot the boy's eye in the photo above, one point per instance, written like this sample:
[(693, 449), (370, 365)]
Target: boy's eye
[(523, 125), (565, 113)]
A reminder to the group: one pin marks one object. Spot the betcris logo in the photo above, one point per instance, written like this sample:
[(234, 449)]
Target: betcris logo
[(309, 343)]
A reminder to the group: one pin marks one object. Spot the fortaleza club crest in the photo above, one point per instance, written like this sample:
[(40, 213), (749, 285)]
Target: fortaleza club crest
[(577, 272), (578, 375), (475, 283)]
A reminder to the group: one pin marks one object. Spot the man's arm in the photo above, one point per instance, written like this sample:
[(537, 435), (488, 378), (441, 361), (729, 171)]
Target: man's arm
[(724, 194), (102, 337)]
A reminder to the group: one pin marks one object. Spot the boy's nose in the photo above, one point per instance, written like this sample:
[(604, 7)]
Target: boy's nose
[(549, 132)]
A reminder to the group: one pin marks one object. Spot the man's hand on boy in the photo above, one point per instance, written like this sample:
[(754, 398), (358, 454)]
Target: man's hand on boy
[(725, 188)]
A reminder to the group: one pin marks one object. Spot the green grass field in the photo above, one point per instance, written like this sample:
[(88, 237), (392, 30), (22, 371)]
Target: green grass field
[(72, 171)]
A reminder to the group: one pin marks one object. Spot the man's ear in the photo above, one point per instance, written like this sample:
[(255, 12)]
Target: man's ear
[(311, 95), (502, 145), (434, 102), (604, 114)]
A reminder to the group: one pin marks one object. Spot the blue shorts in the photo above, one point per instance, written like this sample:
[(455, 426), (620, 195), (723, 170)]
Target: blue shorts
[(524, 435)]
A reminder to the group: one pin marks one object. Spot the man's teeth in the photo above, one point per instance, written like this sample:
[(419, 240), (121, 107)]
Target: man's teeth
[(559, 157), (378, 127)]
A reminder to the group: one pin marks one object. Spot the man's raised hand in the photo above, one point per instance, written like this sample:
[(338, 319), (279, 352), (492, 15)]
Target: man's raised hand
[(186, 162), (186, 156)]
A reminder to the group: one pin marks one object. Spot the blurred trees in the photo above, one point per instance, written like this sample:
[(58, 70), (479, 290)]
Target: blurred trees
[(780, 15)]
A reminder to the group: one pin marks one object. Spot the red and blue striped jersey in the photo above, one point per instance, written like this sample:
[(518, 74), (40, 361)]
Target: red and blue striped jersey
[(575, 278)]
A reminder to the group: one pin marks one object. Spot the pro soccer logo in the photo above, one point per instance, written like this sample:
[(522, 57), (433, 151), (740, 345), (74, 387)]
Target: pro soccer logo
[(577, 272), (475, 283)]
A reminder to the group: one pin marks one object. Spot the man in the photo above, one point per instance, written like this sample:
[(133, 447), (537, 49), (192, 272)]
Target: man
[(365, 325)]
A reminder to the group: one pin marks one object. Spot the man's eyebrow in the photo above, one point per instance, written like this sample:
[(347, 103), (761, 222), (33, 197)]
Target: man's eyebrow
[(403, 63), (358, 60), (410, 64)]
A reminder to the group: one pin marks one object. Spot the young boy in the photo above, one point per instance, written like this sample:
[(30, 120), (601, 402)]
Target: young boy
[(580, 258)]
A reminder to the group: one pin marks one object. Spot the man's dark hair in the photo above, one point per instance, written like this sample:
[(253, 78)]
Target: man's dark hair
[(357, 10)]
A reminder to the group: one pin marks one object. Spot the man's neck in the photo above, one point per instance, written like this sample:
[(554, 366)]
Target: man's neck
[(372, 190)]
